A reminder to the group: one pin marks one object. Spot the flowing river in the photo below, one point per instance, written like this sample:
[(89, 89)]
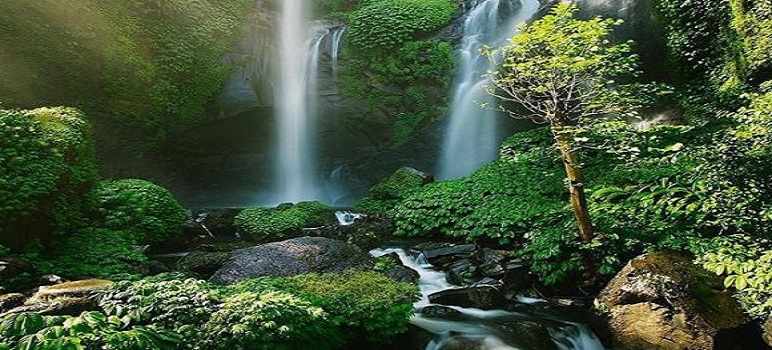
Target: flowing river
[(470, 328)]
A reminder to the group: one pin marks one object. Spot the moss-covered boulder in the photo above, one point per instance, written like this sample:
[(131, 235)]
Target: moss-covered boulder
[(386, 194), (664, 301), (47, 159), (266, 224), (139, 206)]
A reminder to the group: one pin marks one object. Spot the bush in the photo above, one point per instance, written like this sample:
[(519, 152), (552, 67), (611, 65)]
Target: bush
[(48, 161), (138, 206), (362, 303), (385, 195), (166, 301), (90, 330), (385, 24), (96, 253), (277, 223), (268, 321)]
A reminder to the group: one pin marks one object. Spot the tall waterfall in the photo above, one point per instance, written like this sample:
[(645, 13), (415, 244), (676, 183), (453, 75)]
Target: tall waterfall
[(300, 52), (472, 136)]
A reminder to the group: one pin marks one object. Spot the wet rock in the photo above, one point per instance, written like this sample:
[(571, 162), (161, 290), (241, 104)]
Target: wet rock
[(292, 257), (51, 279), (441, 312), (492, 262), (443, 254), (517, 277), (461, 272), (10, 301), (202, 264), (483, 297), (397, 271), (664, 301)]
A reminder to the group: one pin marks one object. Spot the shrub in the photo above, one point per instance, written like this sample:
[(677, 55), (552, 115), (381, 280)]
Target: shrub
[(385, 24), (48, 162), (268, 321), (98, 253), (278, 223), (363, 303), (385, 195), (180, 305), (137, 206), (746, 265), (90, 330)]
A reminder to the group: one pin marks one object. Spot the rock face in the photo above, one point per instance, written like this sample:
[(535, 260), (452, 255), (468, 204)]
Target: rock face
[(664, 301), (291, 257), (481, 297)]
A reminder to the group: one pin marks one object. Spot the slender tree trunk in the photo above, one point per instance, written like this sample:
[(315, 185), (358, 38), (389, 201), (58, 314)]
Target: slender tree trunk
[(575, 182)]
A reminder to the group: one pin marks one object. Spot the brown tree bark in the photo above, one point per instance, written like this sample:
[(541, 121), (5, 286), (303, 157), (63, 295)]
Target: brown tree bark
[(575, 183)]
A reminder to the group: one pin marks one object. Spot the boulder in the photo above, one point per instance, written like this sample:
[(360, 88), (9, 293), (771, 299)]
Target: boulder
[(461, 272), (69, 298), (443, 254), (481, 297), (292, 257), (202, 264), (664, 301), (398, 271), (492, 262), (767, 328), (441, 312), (10, 301)]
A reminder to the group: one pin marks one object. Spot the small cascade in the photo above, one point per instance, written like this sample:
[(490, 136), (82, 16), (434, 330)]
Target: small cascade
[(347, 218), (335, 46), (483, 327), (472, 136)]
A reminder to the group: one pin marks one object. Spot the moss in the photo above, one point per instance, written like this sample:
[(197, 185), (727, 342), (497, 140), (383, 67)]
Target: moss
[(385, 195), (97, 253), (139, 206), (48, 160), (277, 223)]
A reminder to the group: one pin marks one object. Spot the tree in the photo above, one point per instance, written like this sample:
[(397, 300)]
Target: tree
[(564, 71)]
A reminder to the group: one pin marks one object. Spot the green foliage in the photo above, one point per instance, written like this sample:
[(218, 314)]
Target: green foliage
[(386, 24), (385, 195), (98, 253), (180, 305), (746, 265), (277, 223), (48, 161), (501, 201), (138, 206), (271, 320), (408, 84), (149, 64), (363, 303), (89, 331), (563, 70)]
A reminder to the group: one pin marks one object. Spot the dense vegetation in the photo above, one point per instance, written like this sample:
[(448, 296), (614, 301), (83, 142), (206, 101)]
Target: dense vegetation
[(147, 64), (171, 312), (697, 183)]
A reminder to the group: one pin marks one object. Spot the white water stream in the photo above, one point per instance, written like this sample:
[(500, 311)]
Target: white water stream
[(472, 135), (475, 325)]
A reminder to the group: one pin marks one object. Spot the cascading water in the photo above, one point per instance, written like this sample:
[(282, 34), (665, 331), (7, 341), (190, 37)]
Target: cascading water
[(294, 172), (471, 138), (296, 101), (486, 329)]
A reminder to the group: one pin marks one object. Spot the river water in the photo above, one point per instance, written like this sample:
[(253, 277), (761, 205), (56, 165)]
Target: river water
[(488, 329)]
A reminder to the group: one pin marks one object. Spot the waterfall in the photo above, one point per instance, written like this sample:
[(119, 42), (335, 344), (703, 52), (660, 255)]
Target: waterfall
[(337, 40), (472, 136)]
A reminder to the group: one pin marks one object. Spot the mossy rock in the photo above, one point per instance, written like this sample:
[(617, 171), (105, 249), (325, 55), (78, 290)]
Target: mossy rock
[(139, 206), (385, 195), (202, 264), (48, 163), (265, 224)]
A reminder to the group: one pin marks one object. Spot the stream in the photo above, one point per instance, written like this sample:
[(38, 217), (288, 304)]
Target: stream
[(469, 328)]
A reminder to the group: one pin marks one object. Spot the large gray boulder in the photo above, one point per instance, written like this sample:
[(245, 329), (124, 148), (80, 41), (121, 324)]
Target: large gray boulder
[(292, 257), (664, 301)]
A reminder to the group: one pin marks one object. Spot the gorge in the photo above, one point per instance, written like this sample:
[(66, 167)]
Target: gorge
[(386, 175)]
